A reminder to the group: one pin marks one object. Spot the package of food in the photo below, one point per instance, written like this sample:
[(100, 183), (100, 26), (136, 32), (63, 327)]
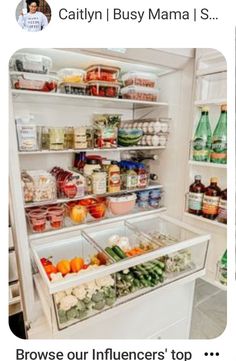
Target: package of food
[(140, 79), (73, 88), (71, 75), (140, 93), (44, 185), (56, 138), (69, 184), (105, 137), (31, 63), (28, 134), (36, 82), (103, 89), (27, 187), (103, 73), (83, 137)]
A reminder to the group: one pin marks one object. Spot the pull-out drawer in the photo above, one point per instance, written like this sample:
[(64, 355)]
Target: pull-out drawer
[(178, 252)]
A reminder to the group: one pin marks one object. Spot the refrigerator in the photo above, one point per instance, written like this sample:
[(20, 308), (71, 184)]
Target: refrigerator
[(188, 79)]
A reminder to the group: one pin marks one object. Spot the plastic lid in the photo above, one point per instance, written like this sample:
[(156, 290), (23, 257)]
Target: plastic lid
[(123, 198), (73, 85), (33, 76), (214, 180), (92, 161), (142, 75), (107, 67), (103, 83), (197, 177), (114, 162), (224, 107), (139, 89)]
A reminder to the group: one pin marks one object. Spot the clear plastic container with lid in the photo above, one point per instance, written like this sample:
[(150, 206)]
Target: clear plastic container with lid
[(140, 93), (71, 75), (31, 63), (37, 82), (103, 73), (72, 88), (143, 79), (103, 89)]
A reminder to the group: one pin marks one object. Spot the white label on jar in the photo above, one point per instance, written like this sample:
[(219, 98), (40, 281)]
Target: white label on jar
[(132, 181), (99, 184), (195, 201), (27, 137), (223, 204)]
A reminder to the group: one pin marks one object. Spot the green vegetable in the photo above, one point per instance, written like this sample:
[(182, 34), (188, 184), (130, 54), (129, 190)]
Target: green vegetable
[(80, 306), (86, 300), (72, 313), (83, 314), (110, 301), (62, 316), (99, 305), (118, 251), (112, 254), (98, 297)]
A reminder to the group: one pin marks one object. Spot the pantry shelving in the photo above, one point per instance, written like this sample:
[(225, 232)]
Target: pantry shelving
[(207, 164), (71, 228), (25, 96), (66, 200), (206, 220), (94, 150)]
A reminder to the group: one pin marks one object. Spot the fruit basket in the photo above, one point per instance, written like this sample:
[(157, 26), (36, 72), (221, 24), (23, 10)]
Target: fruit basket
[(63, 265), (33, 82), (31, 63)]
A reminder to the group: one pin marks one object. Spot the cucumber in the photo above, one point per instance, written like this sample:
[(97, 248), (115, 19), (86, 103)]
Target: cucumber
[(118, 251), (159, 264), (112, 254)]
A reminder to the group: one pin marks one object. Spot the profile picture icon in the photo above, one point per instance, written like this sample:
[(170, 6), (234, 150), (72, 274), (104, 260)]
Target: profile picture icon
[(33, 15)]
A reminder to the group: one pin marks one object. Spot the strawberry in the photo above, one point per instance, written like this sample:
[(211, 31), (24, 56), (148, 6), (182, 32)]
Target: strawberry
[(46, 261)]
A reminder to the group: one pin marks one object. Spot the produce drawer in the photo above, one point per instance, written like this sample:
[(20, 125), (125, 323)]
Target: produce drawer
[(70, 271), (119, 281)]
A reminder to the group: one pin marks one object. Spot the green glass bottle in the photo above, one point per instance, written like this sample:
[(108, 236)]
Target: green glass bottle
[(219, 139), (202, 138)]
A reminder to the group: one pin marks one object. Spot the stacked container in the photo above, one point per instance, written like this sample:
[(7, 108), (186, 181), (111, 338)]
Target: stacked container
[(140, 86)]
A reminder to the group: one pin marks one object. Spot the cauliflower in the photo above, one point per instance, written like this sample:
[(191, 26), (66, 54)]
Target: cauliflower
[(105, 281), (55, 277), (79, 292), (68, 302), (69, 291), (58, 296)]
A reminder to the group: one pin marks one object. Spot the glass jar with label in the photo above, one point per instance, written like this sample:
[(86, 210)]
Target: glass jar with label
[(56, 138), (99, 182), (131, 177), (69, 138), (90, 166), (114, 182), (142, 176), (195, 196), (211, 200), (222, 213)]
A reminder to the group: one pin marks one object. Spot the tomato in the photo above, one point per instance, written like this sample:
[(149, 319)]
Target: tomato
[(85, 266), (50, 268), (45, 261), (87, 202)]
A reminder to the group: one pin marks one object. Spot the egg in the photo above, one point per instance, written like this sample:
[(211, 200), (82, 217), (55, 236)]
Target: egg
[(155, 140), (157, 127), (145, 127), (164, 127), (151, 127)]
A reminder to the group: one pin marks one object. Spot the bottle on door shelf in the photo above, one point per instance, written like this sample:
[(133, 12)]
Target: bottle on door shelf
[(219, 139), (222, 213), (195, 196), (211, 200), (202, 138), (142, 176)]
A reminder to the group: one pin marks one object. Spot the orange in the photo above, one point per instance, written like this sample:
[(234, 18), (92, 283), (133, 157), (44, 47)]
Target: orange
[(76, 264), (63, 266)]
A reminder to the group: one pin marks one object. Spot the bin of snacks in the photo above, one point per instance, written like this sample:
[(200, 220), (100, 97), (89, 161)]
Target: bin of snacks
[(38, 185), (28, 134)]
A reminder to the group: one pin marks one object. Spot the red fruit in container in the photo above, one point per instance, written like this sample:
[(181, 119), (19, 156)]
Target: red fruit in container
[(50, 268), (37, 220), (56, 217)]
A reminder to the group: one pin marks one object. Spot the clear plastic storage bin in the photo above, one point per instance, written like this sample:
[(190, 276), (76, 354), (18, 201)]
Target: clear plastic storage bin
[(140, 79), (31, 63), (103, 89), (72, 88), (212, 87), (77, 290), (36, 82), (140, 93), (71, 75), (102, 73)]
